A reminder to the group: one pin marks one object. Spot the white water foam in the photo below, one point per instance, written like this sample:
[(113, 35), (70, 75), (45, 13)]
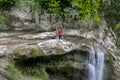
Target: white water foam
[(96, 64)]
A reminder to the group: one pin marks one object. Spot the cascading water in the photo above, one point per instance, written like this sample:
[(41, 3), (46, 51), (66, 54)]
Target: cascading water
[(96, 64)]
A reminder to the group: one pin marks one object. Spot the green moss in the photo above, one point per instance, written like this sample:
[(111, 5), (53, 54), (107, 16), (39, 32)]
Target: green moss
[(84, 48), (15, 74), (36, 52), (35, 65), (40, 61), (79, 58), (109, 71), (29, 52), (66, 73), (36, 74), (59, 51)]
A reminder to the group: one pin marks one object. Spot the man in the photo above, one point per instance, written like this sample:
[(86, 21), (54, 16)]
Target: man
[(59, 31)]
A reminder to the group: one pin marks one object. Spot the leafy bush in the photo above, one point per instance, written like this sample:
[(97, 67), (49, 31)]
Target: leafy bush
[(7, 4), (1, 18)]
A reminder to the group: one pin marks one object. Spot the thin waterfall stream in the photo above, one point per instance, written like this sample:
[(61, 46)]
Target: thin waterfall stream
[(96, 64)]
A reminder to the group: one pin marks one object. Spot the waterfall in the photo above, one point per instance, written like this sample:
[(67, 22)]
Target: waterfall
[(96, 64)]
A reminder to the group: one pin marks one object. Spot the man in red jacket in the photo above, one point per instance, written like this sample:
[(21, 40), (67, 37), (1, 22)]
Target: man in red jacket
[(59, 33)]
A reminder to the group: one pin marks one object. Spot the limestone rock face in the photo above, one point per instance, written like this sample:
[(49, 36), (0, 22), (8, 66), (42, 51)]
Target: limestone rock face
[(3, 50), (4, 34), (19, 18), (72, 32), (43, 35), (55, 44), (28, 50)]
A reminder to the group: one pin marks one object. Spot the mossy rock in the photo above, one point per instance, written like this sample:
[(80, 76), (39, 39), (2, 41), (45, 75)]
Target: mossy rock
[(54, 51), (29, 51), (79, 58), (84, 48), (109, 71), (15, 73), (66, 73), (29, 74), (36, 74)]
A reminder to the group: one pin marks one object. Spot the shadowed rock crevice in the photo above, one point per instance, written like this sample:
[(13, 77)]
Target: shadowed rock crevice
[(66, 73), (55, 63), (34, 61)]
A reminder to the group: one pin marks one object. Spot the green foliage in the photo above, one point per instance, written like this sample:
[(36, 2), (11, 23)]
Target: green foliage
[(83, 8), (38, 74), (71, 8), (79, 58), (117, 32), (117, 27), (7, 4), (111, 12), (39, 62), (54, 6), (97, 19), (88, 9), (59, 26), (31, 3), (1, 18), (109, 71), (34, 66), (84, 48), (14, 72)]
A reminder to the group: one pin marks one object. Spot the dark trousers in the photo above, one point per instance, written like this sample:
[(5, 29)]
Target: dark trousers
[(60, 37)]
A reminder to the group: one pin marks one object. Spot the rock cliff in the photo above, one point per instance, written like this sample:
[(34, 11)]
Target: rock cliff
[(42, 49)]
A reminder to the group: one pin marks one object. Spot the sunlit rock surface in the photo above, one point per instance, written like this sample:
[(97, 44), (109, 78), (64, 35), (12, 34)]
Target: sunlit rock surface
[(54, 43)]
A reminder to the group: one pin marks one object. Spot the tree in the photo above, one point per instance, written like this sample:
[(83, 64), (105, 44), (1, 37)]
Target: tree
[(112, 16), (6, 5), (83, 8)]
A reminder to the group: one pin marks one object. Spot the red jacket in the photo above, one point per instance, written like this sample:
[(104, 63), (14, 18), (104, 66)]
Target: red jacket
[(60, 32)]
